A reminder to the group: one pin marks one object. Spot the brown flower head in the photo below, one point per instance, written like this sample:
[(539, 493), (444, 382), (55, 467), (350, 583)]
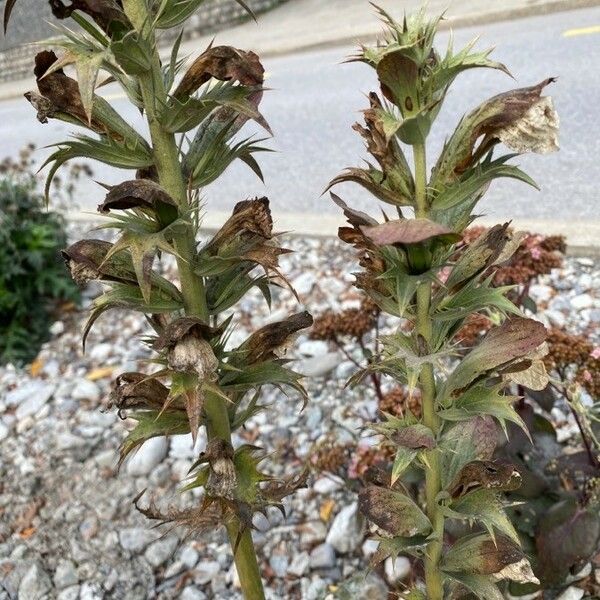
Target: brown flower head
[(188, 350), (224, 63), (138, 391), (263, 344)]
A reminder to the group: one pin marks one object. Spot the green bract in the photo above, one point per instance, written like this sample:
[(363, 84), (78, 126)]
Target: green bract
[(413, 268)]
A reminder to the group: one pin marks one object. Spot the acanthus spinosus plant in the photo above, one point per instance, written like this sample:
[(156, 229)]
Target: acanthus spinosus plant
[(414, 268), (200, 381)]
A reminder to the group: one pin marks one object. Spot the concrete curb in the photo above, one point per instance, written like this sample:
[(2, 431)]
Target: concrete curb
[(583, 237)]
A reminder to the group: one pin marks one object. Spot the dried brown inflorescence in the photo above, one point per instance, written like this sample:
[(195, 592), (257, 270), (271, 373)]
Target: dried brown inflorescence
[(353, 323), (568, 352), (397, 401), (536, 255)]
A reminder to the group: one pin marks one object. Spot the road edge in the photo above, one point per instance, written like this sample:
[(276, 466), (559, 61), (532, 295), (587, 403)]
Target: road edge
[(454, 22), (17, 88), (583, 237)]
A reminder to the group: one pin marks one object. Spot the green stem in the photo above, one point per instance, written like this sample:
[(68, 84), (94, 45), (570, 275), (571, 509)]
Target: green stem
[(245, 556), (433, 576), (166, 157)]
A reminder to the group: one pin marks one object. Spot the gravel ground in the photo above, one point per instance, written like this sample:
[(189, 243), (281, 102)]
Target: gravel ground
[(68, 529)]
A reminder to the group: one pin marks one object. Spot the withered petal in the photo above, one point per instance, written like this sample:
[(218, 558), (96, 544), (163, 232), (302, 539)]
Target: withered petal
[(179, 328), (224, 63), (261, 344)]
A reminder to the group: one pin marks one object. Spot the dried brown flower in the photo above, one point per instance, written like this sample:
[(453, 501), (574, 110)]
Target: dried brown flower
[(397, 402), (475, 325), (331, 457), (224, 63)]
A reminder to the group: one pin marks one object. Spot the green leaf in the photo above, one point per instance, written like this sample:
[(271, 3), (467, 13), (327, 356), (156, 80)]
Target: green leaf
[(175, 12), (153, 424), (479, 554), (133, 53), (402, 460), (472, 298), (482, 586), (265, 373), (474, 180), (467, 441), (374, 181), (481, 400), (130, 297), (483, 506), (123, 155), (394, 512), (502, 345), (451, 65), (143, 247), (181, 115), (88, 66)]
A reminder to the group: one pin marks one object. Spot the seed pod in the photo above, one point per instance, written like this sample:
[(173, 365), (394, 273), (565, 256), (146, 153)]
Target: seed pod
[(84, 258), (188, 348), (222, 478)]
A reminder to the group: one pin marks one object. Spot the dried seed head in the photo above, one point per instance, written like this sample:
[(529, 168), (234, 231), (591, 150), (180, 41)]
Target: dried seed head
[(137, 390), (224, 63), (536, 131), (485, 474), (222, 478), (249, 218), (192, 353), (84, 258), (136, 193), (265, 342)]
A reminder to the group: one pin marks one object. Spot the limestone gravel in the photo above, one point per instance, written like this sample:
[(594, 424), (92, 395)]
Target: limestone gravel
[(68, 527)]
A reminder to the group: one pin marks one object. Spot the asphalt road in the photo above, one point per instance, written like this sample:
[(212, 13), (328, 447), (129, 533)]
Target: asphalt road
[(315, 100)]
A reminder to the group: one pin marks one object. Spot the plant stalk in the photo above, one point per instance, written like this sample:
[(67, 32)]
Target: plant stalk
[(433, 576), (166, 156)]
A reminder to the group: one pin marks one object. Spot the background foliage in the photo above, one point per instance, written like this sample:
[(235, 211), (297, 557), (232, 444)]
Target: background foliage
[(33, 279)]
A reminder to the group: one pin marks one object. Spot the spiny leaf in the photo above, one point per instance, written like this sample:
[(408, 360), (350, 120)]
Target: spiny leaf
[(481, 400), (467, 441), (481, 585), (483, 506), (502, 345), (153, 424), (8, 8)]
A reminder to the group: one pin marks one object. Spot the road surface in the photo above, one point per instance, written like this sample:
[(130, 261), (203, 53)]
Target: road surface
[(315, 100)]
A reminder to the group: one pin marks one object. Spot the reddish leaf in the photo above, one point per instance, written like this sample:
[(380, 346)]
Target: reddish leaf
[(408, 231)]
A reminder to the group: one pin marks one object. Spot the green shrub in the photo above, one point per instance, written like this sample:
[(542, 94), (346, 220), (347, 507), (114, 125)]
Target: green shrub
[(33, 278)]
